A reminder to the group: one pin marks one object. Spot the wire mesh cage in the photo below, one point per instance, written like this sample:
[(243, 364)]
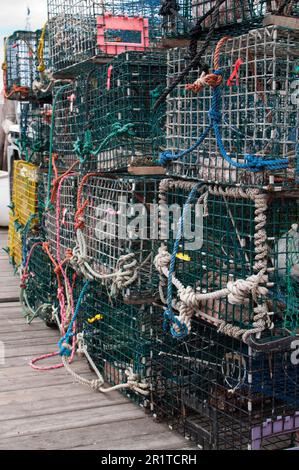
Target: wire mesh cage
[(59, 218), (23, 59), (39, 284), (235, 16), (25, 187), (79, 30), (244, 128), (231, 259), (35, 124), (117, 340), (106, 119), (223, 395), (115, 231)]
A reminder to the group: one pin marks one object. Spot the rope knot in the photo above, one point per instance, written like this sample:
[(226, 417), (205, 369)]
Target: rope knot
[(166, 157), (162, 259), (206, 79)]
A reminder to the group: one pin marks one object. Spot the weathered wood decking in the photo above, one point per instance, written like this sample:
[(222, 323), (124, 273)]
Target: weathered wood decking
[(46, 410)]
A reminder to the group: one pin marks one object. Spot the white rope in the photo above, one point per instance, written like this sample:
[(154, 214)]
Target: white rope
[(238, 291), (127, 268), (96, 385)]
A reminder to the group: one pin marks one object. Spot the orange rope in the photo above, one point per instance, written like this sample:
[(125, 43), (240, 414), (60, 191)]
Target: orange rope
[(57, 179), (211, 79), (79, 219)]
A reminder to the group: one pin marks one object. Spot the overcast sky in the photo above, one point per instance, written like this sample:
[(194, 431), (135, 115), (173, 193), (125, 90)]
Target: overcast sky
[(13, 15)]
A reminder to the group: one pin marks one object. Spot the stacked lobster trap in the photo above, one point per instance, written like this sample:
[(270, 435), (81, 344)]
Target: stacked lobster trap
[(184, 18), (82, 30), (105, 118), (181, 292), (35, 124), (26, 65), (223, 370), (243, 129)]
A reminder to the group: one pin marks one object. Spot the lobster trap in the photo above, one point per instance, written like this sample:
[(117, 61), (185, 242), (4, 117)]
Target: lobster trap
[(106, 119), (59, 217), (26, 57), (223, 395), (117, 341), (243, 129), (81, 30), (115, 225), (234, 17), (24, 197), (39, 284), (35, 124), (229, 257)]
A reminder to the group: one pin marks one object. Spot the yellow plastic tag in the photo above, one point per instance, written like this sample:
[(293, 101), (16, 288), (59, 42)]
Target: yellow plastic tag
[(183, 257), (97, 317)]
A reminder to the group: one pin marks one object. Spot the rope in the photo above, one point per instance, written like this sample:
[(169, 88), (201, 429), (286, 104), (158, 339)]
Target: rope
[(253, 163), (40, 50), (126, 270), (84, 149), (96, 385), (238, 291)]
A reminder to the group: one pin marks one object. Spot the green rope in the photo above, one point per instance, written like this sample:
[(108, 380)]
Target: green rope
[(83, 149)]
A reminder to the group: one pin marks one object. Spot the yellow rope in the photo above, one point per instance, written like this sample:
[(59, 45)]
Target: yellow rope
[(40, 50)]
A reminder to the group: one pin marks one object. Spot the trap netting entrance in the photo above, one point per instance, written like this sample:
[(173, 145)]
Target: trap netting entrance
[(115, 230), (117, 340), (234, 17), (79, 30), (22, 62), (35, 123), (24, 197), (39, 284), (223, 395), (59, 218), (236, 261), (244, 128)]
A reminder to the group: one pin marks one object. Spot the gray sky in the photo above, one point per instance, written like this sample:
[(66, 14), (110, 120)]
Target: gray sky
[(13, 14)]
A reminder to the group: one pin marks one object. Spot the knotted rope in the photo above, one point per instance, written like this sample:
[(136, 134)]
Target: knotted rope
[(238, 291)]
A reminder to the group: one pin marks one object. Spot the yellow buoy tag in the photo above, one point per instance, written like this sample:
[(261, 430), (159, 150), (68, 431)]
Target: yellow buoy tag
[(183, 257)]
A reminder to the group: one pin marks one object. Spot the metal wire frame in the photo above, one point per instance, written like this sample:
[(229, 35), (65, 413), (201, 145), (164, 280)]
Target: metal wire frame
[(259, 116), (21, 64), (221, 394), (65, 238), (236, 234), (117, 337), (111, 127), (35, 123), (41, 283), (73, 26), (235, 16), (68, 124), (118, 221)]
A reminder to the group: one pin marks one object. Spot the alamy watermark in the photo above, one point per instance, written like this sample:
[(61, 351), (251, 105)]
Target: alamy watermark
[(123, 220)]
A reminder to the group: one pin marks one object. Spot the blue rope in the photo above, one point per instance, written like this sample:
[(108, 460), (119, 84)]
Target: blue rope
[(168, 314), (63, 350), (252, 163)]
